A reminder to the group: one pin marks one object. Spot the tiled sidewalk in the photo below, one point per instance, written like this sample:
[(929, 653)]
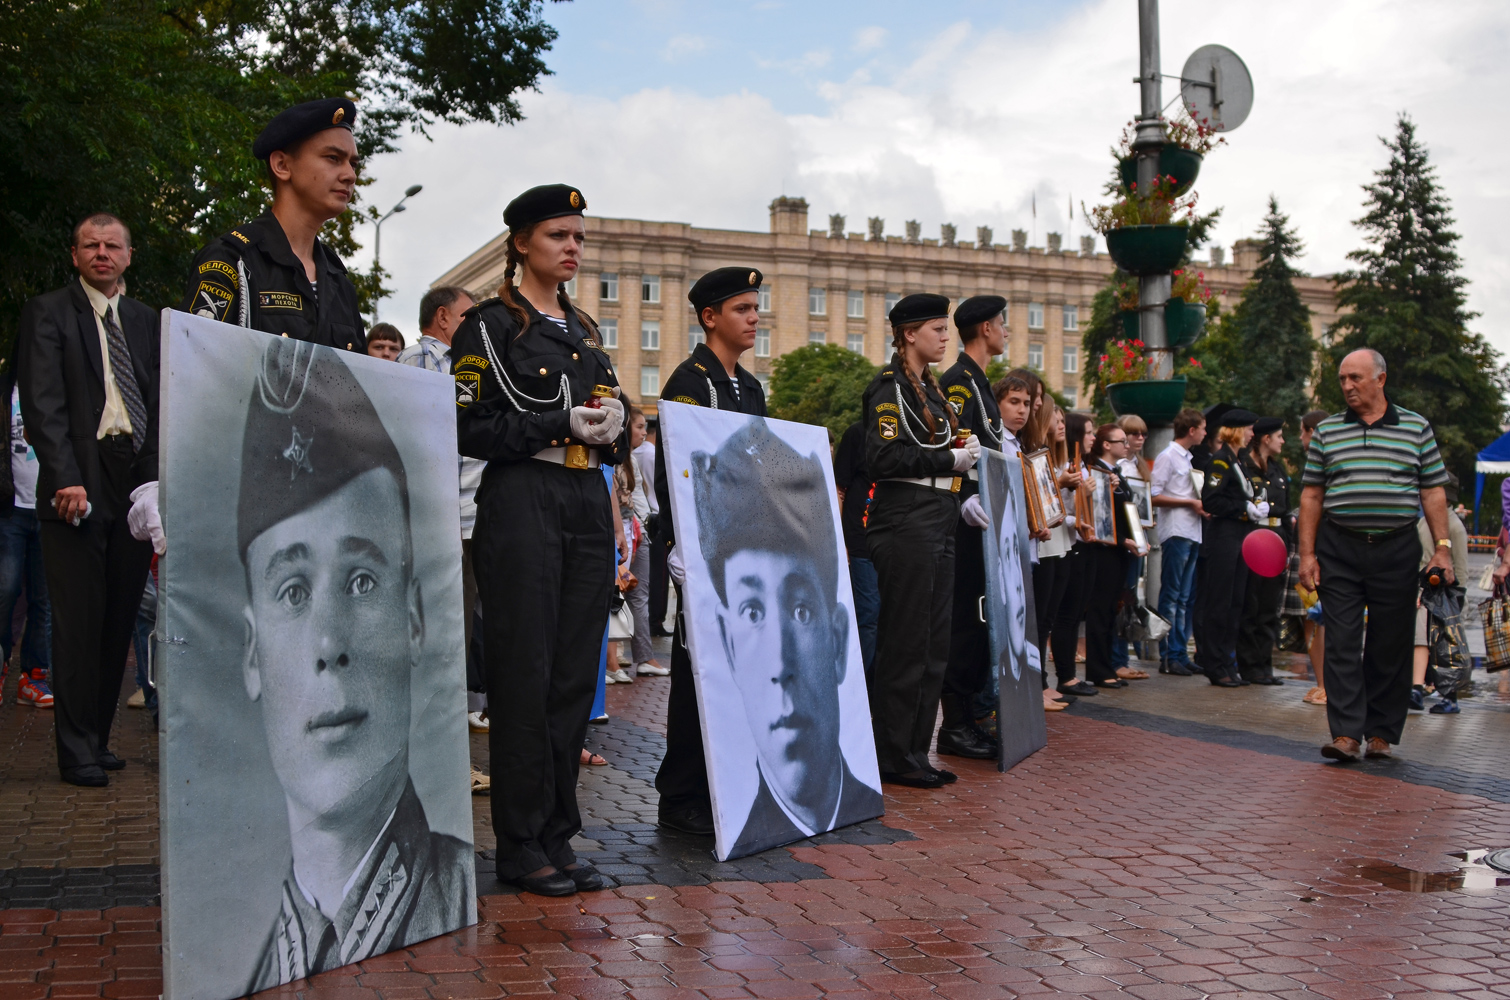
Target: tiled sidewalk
[(1167, 844)]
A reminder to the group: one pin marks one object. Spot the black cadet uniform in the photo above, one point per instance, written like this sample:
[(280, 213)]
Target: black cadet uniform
[(256, 257), (910, 531), (968, 392), (701, 380), (1260, 623), (543, 550), (1223, 580)]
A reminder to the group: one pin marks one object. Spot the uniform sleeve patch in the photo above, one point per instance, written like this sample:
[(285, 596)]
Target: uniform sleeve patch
[(218, 265), (467, 385), (887, 408), (211, 300), (472, 361), (686, 399), (963, 390), (887, 426), (287, 301)]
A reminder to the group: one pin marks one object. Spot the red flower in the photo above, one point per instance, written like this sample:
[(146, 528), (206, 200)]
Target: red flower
[(1139, 343)]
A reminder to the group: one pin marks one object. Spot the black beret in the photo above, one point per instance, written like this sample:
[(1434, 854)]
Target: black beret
[(302, 121), (919, 307), (310, 430), (548, 201), (756, 492), (1239, 418), (723, 283), (978, 309), (1266, 425)]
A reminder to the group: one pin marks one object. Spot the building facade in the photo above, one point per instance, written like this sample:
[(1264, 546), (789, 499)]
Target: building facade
[(836, 287)]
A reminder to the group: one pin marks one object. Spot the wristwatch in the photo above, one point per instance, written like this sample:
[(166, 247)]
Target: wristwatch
[(1444, 543)]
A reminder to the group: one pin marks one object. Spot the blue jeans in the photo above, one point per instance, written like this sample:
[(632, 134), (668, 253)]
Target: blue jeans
[(21, 568), (867, 589), (141, 640), (1176, 582)]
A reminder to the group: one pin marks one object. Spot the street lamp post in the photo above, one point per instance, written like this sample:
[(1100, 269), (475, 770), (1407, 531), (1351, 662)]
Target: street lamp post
[(1148, 139), (377, 237)]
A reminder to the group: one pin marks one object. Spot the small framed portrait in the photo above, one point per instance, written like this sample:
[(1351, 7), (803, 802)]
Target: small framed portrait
[(1142, 498), (1045, 505), (1094, 509), (1139, 536), (1197, 481)]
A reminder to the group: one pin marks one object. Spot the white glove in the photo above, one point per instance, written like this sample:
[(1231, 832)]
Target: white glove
[(966, 457), (1253, 514), (974, 514), (598, 425), (143, 519), (1263, 508), (674, 567)]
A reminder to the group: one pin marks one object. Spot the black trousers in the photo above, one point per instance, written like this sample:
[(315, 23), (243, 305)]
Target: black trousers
[(1103, 577), (1260, 626), (1051, 578), (543, 553), (1368, 677), (476, 679), (95, 576), (969, 638), (910, 533), (1222, 588), (683, 777), (659, 580), (1069, 613)]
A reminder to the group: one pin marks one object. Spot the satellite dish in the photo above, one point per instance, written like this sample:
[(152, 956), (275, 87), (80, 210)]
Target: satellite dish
[(1216, 85)]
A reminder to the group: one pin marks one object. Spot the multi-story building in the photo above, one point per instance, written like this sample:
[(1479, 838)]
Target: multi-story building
[(836, 287)]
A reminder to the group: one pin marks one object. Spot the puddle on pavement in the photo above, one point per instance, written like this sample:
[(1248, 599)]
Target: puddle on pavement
[(1473, 875)]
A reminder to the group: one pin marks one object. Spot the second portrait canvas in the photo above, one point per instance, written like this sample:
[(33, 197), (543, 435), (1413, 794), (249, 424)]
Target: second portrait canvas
[(770, 626)]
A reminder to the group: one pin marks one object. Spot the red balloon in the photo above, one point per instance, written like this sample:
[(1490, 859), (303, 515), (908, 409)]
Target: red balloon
[(1265, 552)]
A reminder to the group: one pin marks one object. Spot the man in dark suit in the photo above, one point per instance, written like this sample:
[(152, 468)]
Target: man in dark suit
[(87, 363)]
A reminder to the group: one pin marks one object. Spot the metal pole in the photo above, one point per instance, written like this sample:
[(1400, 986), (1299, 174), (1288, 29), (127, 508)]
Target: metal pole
[(377, 259), (1148, 140)]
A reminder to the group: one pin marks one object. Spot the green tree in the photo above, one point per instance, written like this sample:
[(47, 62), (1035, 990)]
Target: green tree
[(148, 109), (1407, 301), (820, 384)]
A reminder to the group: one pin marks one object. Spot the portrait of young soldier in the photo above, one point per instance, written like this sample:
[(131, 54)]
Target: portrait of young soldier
[(765, 530), (335, 629)]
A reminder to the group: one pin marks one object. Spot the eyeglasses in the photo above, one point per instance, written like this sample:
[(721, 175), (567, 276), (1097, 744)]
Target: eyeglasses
[(1121, 440)]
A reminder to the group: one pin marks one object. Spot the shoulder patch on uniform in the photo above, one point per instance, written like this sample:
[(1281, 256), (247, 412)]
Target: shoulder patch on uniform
[(886, 372), (887, 407), (887, 426), (218, 265), (957, 405), (963, 390), (281, 300), (240, 237), (211, 300), (699, 366), (685, 399), (468, 385), (473, 361), (1217, 461)]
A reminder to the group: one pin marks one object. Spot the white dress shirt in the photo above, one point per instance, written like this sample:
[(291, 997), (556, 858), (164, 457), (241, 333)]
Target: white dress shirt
[(1171, 477), (114, 419)]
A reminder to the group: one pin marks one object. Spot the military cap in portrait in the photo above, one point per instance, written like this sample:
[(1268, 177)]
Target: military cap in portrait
[(723, 283), (1239, 418), (302, 121), (1266, 425), (978, 309), (548, 201), (919, 307)]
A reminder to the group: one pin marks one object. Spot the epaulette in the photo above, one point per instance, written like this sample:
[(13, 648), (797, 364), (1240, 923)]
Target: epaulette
[(699, 366)]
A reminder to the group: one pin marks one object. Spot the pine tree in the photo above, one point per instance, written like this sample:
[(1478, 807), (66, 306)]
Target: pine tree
[(1407, 301)]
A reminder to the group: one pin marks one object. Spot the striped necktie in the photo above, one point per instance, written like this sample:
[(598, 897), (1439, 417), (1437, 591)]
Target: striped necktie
[(125, 379)]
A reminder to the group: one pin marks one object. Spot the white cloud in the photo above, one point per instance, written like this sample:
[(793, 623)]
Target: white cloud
[(683, 45), (869, 39), (980, 121)]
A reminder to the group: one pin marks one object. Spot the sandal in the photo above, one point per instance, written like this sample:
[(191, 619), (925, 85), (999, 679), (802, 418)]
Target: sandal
[(1131, 674), (1055, 706), (1315, 696), (590, 759), (481, 783)]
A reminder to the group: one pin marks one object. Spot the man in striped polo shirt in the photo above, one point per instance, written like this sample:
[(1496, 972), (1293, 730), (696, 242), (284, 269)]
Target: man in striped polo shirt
[(1369, 472)]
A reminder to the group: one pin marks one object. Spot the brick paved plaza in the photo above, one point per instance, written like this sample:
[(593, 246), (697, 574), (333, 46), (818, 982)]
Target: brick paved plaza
[(1174, 840)]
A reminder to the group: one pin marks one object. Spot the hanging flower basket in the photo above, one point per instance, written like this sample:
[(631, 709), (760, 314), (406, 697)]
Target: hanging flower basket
[(1131, 328), (1147, 249), (1174, 161), (1155, 400), (1184, 322)]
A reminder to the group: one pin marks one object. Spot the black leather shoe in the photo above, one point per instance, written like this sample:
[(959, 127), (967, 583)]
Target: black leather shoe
[(587, 878), (659, 632), (554, 884), (964, 742), (109, 761), (86, 776), (1083, 689), (947, 777), (1271, 681), (1226, 682), (696, 819), (913, 779), (1177, 669)]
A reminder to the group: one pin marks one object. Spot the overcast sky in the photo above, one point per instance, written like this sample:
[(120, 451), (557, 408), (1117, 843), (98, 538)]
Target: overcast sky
[(703, 112)]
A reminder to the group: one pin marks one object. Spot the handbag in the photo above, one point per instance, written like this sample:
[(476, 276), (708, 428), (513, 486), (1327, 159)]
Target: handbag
[(1135, 623), (620, 619), (1496, 614)]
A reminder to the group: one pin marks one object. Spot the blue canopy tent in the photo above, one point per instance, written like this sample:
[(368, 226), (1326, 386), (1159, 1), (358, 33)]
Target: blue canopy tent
[(1494, 459)]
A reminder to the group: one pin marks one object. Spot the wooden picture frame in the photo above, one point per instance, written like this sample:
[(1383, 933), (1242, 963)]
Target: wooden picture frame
[(1142, 498), (1045, 505), (1139, 536)]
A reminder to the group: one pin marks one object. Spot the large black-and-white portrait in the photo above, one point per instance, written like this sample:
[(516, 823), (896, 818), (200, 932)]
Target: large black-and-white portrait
[(1010, 614), (770, 628), (316, 808)]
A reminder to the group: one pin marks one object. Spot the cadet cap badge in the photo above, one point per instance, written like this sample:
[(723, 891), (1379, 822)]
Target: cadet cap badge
[(336, 118)]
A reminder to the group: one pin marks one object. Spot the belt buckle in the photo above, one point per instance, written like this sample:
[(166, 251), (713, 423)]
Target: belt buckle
[(576, 456), (954, 486)]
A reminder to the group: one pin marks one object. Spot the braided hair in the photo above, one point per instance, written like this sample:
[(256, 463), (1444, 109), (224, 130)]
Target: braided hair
[(513, 258), (899, 344)]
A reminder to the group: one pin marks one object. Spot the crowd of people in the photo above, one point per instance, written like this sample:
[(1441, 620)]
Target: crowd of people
[(564, 505)]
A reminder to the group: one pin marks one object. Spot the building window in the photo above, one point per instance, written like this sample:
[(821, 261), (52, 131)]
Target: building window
[(695, 335), (1071, 395), (763, 342), (571, 287), (765, 382), (1035, 315), (650, 381), (765, 298), (1006, 315), (1071, 318), (608, 329), (816, 337), (855, 342), (892, 298), (1071, 359), (856, 306), (608, 287), (817, 302), (1035, 357), (650, 336), (650, 288)]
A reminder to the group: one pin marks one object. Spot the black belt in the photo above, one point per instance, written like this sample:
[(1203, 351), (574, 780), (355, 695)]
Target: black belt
[(1371, 537)]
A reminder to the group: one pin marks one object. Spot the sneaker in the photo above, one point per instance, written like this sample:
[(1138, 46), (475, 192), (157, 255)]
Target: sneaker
[(34, 692), (138, 699), (652, 670), (1418, 698), (619, 676), (1445, 708), (477, 722)]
